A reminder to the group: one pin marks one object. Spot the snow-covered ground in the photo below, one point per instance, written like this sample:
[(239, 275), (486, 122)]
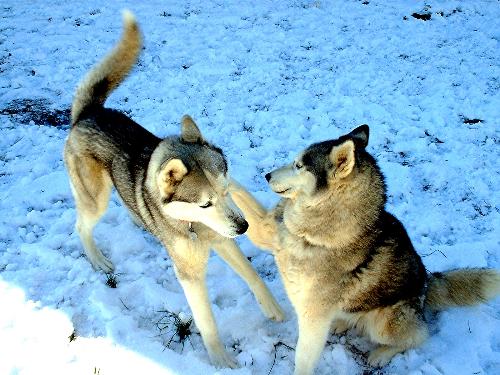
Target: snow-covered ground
[(263, 79)]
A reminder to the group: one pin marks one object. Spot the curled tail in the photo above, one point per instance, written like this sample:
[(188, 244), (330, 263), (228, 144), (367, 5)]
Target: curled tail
[(111, 71), (465, 287)]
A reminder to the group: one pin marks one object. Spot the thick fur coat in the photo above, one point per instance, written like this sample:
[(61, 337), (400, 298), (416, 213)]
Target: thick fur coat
[(177, 188), (344, 260)]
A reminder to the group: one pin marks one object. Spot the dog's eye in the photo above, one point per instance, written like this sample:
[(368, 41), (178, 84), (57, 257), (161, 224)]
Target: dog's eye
[(206, 205), (299, 165)]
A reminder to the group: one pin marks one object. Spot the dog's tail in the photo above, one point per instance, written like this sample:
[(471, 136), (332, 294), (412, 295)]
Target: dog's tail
[(464, 287), (111, 71)]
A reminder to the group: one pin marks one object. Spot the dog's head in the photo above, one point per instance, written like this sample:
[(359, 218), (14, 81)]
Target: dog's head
[(321, 165), (193, 183)]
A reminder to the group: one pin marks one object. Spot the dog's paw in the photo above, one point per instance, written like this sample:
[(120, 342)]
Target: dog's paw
[(100, 262), (382, 355), (222, 359), (339, 326), (272, 310)]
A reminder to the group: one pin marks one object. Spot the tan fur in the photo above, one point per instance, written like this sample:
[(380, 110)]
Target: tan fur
[(190, 131), (311, 261), (91, 186), (344, 261), (262, 228), (114, 68), (343, 158), (175, 187), (169, 176), (464, 287)]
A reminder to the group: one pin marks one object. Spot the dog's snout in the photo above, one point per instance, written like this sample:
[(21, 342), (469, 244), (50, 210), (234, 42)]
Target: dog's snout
[(242, 228), (268, 177)]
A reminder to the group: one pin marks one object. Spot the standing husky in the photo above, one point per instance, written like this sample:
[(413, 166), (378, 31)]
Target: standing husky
[(176, 188), (345, 261)]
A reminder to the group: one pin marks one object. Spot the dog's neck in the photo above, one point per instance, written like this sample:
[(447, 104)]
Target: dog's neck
[(190, 230), (338, 219)]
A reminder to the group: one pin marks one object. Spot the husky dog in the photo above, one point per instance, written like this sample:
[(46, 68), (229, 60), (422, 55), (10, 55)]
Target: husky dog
[(177, 188), (345, 261)]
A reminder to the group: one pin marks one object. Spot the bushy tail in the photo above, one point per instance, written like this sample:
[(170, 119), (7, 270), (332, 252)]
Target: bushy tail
[(465, 287), (111, 71)]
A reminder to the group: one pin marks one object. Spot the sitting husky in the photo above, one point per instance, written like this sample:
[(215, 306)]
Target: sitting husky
[(174, 187), (345, 261)]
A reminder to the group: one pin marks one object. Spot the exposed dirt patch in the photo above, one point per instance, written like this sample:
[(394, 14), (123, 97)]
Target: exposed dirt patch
[(37, 112)]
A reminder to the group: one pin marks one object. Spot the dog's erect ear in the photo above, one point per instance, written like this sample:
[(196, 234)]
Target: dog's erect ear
[(360, 135), (343, 159), (190, 132), (171, 173)]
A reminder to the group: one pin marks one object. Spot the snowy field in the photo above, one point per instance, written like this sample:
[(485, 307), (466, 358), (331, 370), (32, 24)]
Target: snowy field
[(263, 79)]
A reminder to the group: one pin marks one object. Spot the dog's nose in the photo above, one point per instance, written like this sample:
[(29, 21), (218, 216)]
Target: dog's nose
[(242, 228), (268, 177)]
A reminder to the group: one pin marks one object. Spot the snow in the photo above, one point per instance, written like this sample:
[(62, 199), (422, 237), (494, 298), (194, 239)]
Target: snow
[(263, 79)]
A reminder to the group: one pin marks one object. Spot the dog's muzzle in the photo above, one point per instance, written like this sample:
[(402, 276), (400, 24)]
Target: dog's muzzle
[(241, 226)]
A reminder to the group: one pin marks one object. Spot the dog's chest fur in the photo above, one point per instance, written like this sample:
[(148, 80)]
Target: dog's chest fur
[(370, 272), (309, 271), (189, 257), (314, 274)]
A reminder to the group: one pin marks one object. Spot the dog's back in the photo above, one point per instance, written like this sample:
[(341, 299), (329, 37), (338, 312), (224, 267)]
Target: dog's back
[(108, 134)]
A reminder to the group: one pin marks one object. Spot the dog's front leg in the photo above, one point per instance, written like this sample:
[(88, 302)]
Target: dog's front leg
[(313, 332), (231, 253), (190, 268), (197, 296), (262, 228)]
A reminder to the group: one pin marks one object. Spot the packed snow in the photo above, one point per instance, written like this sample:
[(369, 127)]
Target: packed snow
[(263, 79)]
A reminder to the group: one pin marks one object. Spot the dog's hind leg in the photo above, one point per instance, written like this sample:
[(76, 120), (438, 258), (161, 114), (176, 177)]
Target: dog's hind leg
[(340, 326), (91, 186), (231, 253), (397, 328)]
